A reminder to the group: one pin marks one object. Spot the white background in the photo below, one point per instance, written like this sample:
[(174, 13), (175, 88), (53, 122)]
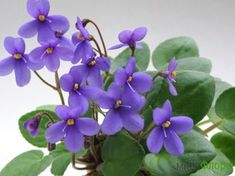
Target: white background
[(210, 22)]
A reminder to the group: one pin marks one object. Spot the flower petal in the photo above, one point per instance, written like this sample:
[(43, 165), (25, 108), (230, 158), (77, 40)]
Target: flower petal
[(19, 45), (115, 91), (139, 33), (120, 77), (74, 140), (173, 144), (29, 29), (104, 100), (141, 82), (117, 46), (88, 126), (125, 36), (112, 123), (33, 66), (160, 116), (62, 111), (67, 82), (35, 55), (130, 67), (65, 54), (22, 73), (132, 122), (9, 45), (6, 66), (79, 73), (172, 88), (155, 140), (181, 124), (45, 33), (38, 7), (172, 65), (95, 78), (55, 132), (89, 92), (167, 107), (59, 23), (52, 62), (76, 100), (103, 63), (83, 51)]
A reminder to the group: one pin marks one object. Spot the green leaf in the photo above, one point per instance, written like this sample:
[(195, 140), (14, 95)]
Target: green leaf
[(121, 155), (47, 108), (179, 47), (220, 166), (142, 57), (197, 151), (39, 140), (195, 94), (30, 163), (226, 144)]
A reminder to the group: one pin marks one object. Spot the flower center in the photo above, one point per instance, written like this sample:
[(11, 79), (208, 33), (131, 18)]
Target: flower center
[(118, 103), (80, 37), (70, 122), (41, 18), (17, 56), (92, 63), (49, 50), (166, 124), (76, 86), (173, 74), (129, 79)]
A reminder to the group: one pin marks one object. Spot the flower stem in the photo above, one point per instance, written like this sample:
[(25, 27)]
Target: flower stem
[(97, 45), (212, 127), (146, 132), (156, 75), (74, 164), (44, 81), (58, 88)]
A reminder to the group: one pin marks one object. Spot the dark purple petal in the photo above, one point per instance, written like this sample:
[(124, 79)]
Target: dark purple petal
[(88, 126), (35, 55), (59, 23), (181, 124), (22, 73), (112, 123), (83, 51), (120, 76), (29, 29), (141, 82), (95, 78), (6, 66), (104, 100), (9, 44), (172, 88), (67, 82), (55, 132), (45, 33), (76, 100), (117, 46), (103, 63), (74, 140), (38, 7), (167, 107), (89, 92), (65, 54), (139, 33), (130, 67), (132, 122), (160, 116), (172, 65), (125, 36), (173, 144), (32, 126), (52, 62), (62, 112), (155, 140), (81, 28)]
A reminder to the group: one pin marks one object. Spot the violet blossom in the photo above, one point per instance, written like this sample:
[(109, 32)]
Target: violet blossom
[(42, 24), (139, 82), (72, 128), (123, 110), (17, 61), (131, 38), (32, 126), (167, 129)]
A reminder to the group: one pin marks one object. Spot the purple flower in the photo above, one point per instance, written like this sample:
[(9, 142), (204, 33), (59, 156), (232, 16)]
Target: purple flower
[(170, 75), (83, 48), (64, 41), (167, 129), (18, 61), (123, 110), (72, 128), (32, 126), (43, 24), (79, 92), (92, 68), (50, 53), (135, 81), (131, 38)]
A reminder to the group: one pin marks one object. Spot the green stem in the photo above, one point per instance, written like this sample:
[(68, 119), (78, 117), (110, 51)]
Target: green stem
[(97, 45), (58, 88), (212, 127), (146, 132), (44, 81)]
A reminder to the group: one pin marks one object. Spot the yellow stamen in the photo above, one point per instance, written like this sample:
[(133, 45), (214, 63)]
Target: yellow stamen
[(173, 74), (118, 103), (70, 122), (92, 63), (129, 79), (80, 37), (49, 50), (76, 86), (17, 56), (41, 18), (166, 124)]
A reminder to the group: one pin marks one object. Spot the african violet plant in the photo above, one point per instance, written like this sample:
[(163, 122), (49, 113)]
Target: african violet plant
[(120, 119)]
